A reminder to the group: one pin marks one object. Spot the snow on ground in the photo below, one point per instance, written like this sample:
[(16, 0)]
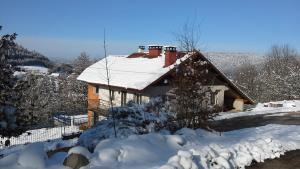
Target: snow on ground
[(35, 69), (19, 74), (287, 106), (186, 149), (54, 74), (196, 148), (32, 156), (38, 135), (48, 145)]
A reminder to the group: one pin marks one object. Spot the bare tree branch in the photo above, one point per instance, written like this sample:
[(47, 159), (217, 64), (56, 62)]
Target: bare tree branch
[(108, 84), (189, 36)]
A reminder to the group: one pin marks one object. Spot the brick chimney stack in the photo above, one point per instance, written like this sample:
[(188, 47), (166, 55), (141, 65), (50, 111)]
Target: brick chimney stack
[(141, 49), (170, 55), (154, 50)]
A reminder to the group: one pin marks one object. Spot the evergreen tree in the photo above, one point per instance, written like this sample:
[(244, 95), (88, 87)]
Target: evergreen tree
[(72, 95), (39, 99), (8, 112)]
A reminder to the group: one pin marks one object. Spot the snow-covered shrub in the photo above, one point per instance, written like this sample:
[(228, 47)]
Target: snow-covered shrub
[(129, 120)]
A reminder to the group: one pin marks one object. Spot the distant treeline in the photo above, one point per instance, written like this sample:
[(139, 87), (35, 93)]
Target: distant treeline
[(19, 55)]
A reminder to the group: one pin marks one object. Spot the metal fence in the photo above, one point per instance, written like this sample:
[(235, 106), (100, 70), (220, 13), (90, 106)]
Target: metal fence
[(63, 125), (37, 135), (66, 120)]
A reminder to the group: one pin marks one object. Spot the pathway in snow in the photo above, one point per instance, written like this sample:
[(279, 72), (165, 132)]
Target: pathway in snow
[(240, 122), (264, 108)]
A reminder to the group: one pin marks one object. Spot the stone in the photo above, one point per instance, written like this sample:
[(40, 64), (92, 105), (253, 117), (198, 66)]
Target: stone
[(75, 161)]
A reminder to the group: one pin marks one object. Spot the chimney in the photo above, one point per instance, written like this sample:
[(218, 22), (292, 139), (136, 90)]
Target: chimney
[(170, 55), (141, 49), (154, 50)]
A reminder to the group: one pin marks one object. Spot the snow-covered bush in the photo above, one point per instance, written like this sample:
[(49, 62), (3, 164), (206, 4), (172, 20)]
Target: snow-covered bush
[(129, 120)]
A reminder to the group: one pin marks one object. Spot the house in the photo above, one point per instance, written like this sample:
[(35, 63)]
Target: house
[(143, 75)]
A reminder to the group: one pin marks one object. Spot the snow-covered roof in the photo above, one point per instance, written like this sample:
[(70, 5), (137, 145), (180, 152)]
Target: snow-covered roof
[(133, 73), (139, 72), (154, 45)]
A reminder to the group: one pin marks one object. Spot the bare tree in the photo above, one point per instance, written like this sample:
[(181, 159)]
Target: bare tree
[(247, 77), (189, 36), (193, 101), (281, 74), (81, 62), (108, 84)]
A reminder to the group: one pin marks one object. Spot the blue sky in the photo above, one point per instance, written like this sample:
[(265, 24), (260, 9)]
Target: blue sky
[(64, 28)]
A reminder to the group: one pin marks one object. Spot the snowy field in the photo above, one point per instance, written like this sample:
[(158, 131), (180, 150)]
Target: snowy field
[(287, 106), (39, 135)]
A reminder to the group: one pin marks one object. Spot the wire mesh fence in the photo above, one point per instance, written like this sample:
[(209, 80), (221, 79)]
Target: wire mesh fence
[(63, 125)]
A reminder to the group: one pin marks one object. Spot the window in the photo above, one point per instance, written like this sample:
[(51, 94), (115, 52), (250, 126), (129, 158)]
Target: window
[(123, 98), (214, 97), (137, 98), (112, 94), (140, 98), (97, 89)]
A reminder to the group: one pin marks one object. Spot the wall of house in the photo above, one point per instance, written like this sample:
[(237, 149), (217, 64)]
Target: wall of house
[(154, 91), (93, 97), (93, 102), (117, 100), (102, 99)]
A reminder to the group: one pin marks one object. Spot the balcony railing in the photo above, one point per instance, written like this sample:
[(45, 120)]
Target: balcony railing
[(99, 104)]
